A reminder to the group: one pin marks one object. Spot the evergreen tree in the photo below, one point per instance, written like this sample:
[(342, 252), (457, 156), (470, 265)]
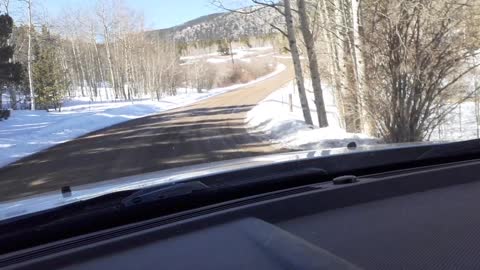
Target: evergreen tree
[(10, 73), (223, 47), (48, 74)]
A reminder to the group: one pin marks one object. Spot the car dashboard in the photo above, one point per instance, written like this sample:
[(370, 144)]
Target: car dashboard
[(422, 218)]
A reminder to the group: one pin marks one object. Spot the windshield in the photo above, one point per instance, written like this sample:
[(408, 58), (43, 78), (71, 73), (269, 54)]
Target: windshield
[(93, 91)]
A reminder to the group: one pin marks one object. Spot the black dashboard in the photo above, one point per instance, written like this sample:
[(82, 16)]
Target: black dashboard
[(423, 218)]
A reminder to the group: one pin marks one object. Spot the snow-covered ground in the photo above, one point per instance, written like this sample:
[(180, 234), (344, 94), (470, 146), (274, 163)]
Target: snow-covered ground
[(27, 132), (273, 117), (460, 124), (242, 54)]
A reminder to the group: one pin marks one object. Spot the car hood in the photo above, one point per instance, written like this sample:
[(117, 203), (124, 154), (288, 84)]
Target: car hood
[(46, 201)]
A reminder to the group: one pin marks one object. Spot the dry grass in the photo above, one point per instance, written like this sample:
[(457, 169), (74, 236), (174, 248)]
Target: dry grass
[(242, 72), (205, 76)]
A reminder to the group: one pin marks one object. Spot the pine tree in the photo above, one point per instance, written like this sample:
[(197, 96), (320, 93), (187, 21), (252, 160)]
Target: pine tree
[(49, 78), (10, 73)]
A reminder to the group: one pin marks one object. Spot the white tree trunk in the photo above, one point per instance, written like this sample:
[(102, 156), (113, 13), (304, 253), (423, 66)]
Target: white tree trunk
[(29, 55), (106, 36), (313, 64), (292, 40), (331, 34), (359, 64), (78, 64)]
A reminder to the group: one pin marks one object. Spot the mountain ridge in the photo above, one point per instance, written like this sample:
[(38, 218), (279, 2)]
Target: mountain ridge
[(222, 25)]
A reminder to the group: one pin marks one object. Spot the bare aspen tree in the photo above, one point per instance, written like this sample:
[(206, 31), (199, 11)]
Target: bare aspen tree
[(78, 65), (347, 29), (292, 40), (290, 34), (336, 28), (329, 18), (347, 60), (29, 53), (102, 14), (313, 63), (359, 65)]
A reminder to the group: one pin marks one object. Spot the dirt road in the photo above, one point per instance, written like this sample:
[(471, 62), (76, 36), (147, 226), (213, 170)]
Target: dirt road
[(210, 130)]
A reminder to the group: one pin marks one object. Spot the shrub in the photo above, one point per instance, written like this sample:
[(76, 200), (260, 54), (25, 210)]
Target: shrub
[(246, 72)]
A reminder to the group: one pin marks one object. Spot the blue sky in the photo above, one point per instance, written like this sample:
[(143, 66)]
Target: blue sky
[(158, 13), (167, 13)]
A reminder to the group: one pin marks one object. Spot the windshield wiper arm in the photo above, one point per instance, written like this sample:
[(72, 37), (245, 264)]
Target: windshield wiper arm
[(156, 193), (164, 192)]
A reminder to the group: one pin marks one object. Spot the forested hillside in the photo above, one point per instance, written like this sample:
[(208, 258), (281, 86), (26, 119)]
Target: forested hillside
[(228, 25)]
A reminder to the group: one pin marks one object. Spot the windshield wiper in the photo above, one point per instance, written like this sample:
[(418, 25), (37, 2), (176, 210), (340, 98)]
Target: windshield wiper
[(163, 192), (124, 207)]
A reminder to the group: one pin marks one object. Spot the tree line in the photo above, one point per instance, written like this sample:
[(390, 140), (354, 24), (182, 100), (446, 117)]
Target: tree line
[(103, 52), (100, 52), (398, 67)]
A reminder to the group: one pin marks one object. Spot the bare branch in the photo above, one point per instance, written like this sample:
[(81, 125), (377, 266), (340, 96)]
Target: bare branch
[(279, 30)]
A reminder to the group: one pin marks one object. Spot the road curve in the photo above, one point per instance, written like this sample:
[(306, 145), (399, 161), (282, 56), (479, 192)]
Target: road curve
[(207, 131)]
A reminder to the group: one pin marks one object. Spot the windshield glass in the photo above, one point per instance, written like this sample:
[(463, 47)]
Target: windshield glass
[(93, 91)]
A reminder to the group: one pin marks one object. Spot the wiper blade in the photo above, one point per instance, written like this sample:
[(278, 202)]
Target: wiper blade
[(163, 192), (156, 193)]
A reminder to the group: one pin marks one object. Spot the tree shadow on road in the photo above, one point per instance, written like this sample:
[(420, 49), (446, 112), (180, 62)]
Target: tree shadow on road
[(168, 140)]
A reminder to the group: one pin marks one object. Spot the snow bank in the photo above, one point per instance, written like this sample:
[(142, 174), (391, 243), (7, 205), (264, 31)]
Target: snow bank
[(273, 117), (27, 132)]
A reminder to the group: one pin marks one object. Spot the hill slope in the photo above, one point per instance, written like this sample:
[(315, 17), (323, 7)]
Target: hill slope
[(229, 25)]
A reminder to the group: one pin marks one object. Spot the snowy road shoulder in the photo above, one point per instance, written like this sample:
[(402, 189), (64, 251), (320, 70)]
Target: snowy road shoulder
[(28, 132), (273, 118)]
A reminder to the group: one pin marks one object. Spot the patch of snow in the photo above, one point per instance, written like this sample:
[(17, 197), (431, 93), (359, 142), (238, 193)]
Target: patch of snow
[(218, 60), (224, 59), (28, 132), (266, 48), (195, 57), (283, 56), (238, 54), (459, 125), (272, 117), (264, 55)]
